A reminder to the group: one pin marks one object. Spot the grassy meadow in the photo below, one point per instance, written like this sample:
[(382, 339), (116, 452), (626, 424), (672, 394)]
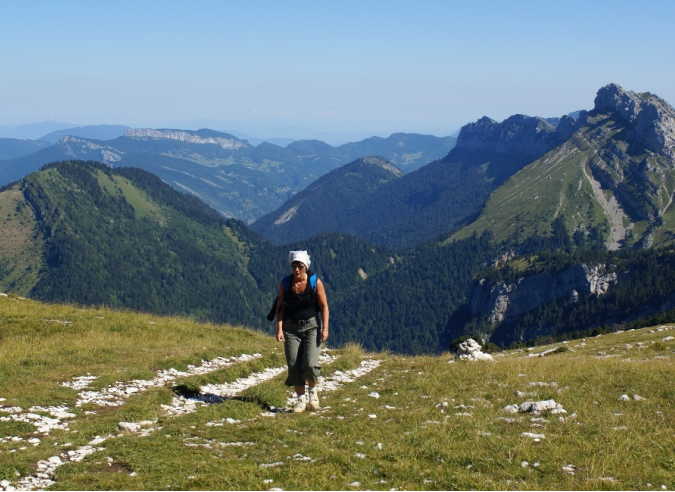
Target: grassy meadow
[(410, 423)]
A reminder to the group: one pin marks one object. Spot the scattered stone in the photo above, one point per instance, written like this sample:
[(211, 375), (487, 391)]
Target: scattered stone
[(536, 407), (79, 383), (624, 397), (535, 437), (569, 469), (544, 353), (129, 426), (374, 395), (471, 350), (540, 383), (668, 339)]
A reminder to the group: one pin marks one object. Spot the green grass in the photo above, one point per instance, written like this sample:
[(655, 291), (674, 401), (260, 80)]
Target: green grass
[(435, 425), (21, 248), (143, 206)]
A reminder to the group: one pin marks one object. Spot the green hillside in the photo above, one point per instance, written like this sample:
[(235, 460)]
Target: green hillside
[(124, 239), (639, 290), (329, 203), (97, 399), (84, 233)]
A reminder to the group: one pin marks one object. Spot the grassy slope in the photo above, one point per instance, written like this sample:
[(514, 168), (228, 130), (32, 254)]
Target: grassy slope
[(555, 184), (21, 248), (412, 442)]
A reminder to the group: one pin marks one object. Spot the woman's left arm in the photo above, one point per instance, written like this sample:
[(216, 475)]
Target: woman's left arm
[(323, 306)]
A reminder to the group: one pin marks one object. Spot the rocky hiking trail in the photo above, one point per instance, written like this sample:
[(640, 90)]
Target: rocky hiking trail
[(594, 413), (118, 393)]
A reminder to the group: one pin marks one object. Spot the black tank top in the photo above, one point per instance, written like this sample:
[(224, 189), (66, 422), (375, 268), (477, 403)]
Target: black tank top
[(300, 306)]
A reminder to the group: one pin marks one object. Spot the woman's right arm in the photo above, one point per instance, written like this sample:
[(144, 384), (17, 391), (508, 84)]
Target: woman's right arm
[(280, 313)]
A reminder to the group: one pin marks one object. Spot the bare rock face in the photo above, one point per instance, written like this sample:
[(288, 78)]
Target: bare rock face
[(76, 147), (651, 118), (502, 301), (185, 136)]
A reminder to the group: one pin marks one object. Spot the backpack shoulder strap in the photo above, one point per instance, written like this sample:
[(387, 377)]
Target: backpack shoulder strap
[(287, 282)]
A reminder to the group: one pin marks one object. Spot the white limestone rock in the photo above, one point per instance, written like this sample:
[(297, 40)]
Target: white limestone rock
[(471, 350)]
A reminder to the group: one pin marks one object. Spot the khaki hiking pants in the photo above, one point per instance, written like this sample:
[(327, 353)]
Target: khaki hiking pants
[(302, 351)]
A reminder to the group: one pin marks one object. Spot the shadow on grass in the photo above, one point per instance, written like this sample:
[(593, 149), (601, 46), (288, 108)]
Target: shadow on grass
[(190, 393)]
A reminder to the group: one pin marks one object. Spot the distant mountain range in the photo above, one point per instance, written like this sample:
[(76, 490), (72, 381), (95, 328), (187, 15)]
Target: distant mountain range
[(605, 179), (525, 230), (231, 175), (93, 132), (439, 197), (33, 131), (11, 148)]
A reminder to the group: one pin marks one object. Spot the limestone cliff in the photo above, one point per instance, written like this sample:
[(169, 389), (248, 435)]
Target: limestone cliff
[(222, 140), (651, 119), (503, 301)]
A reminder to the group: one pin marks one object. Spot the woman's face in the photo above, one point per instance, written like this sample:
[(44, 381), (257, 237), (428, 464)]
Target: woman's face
[(298, 268)]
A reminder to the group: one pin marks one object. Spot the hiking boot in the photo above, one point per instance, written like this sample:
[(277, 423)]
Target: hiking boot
[(300, 405), (314, 400)]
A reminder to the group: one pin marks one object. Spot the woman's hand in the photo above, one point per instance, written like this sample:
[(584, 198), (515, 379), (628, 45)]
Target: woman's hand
[(324, 335), (280, 335)]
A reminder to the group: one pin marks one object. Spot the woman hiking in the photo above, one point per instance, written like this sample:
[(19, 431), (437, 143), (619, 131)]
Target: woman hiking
[(301, 299)]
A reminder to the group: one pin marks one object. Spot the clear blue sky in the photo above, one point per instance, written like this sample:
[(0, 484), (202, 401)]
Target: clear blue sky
[(379, 66)]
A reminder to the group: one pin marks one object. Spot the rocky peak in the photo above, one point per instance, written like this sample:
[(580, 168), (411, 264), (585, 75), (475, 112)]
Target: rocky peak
[(381, 163), (524, 135), (651, 118), (185, 136)]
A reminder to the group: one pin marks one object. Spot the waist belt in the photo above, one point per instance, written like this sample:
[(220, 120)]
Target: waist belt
[(301, 322)]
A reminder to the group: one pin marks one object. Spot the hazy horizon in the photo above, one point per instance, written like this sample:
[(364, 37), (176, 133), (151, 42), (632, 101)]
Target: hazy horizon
[(306, 68)]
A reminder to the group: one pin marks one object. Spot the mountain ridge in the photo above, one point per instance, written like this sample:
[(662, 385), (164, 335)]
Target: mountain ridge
[(237, 179), (445, 194), (612, 178)]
